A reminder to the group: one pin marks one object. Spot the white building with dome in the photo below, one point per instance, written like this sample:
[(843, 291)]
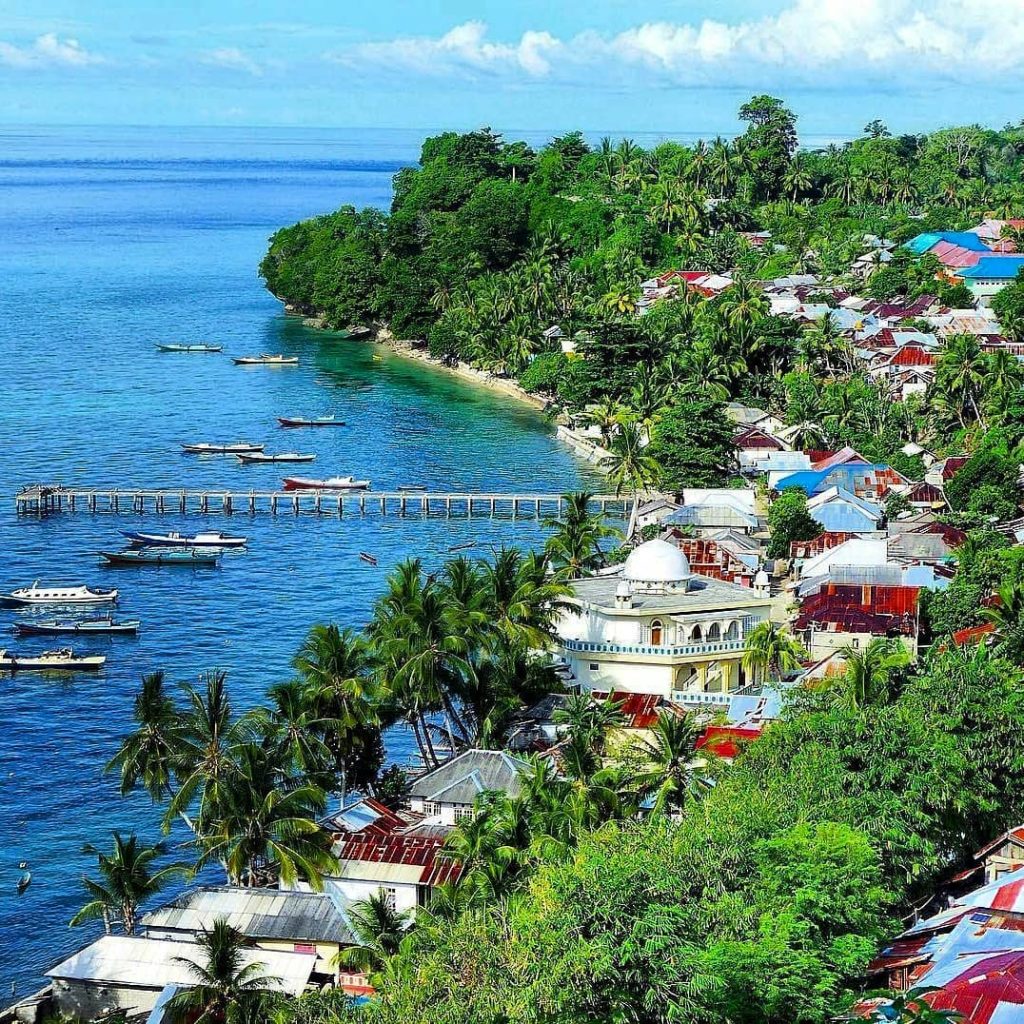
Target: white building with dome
[(652, 626)]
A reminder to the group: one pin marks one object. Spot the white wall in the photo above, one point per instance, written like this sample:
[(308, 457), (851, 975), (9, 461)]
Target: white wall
[(356, 890)]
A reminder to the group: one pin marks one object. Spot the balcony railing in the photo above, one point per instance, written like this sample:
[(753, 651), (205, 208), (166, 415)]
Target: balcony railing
[(664, 651), (698, 697)]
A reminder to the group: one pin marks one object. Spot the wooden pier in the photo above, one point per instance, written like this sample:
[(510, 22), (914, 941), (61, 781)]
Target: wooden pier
[(43, 500)]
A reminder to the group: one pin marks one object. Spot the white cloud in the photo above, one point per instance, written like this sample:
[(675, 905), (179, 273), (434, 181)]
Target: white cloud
[(232, 59), (47, 50), (820, 42)]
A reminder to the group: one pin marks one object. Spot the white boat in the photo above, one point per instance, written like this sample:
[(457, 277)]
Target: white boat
[(266, 360), (235, 448), (331, 483), (209, 539), (62, 660), (43, 593), (283, 457), (190, 348)]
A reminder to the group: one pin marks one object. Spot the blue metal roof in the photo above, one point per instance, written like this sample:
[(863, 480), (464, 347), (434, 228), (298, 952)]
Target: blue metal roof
[(1003, 268), (814, 481), (965, 239)]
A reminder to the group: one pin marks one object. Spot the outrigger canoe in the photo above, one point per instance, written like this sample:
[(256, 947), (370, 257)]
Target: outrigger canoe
[(315, 421), (162, 556), (209, 539), (331, 483), (255, 457), (63, 660), (190, 348), (235, 448), (86, 627), (266, 360)]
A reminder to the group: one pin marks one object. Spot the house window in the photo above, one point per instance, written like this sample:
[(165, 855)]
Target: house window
[(656, 633), (461, 813), (697, 635), (714, 633), (594, 666), (303, 947), (390, 895), (430, 808), (733, 631)]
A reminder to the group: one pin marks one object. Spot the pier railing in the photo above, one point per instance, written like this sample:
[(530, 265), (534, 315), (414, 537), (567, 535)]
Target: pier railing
[(51, 499)]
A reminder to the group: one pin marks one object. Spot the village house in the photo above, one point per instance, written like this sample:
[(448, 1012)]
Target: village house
[(138, 975), (653, 626), (841, 511), (448, 794)]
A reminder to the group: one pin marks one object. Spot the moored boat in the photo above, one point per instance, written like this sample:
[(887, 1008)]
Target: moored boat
[(412, 487), (209, 539), (368, 558), (331, 483), (105, 625), (310, 421), (283, 457), (62, 660), (162, 556), (235, 448), (43, 593), (190, 348), (265, 359)]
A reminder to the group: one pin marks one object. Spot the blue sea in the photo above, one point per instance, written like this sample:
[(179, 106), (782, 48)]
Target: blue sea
[(112, 240)]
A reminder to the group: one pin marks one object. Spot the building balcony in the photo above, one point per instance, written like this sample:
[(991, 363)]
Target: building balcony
[(688, 650)]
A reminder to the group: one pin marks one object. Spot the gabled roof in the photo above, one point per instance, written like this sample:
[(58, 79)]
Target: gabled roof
[(838, 493), (462, 779), (257, 913), (925, 242), (411, 859), (1014, 835), (843, 457), (999, 268), (754, 437)]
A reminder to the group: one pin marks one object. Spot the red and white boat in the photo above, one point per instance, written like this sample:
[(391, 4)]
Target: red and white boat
[(331, 483)]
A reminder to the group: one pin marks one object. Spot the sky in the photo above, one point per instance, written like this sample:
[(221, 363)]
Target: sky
[(538, 65)]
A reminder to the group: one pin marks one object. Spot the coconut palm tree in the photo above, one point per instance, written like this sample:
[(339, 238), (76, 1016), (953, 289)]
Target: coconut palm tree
[(344, 699), (575, 547), (379, 929), (629, 466), (292, 728), (619, 300), (667, 773), (225, 986), (523, 598), (867, 672), (127, 879), (145, 756), (265, 828), (589, 720), (607, 415), (771, 651), (206, 739), (1007, 614), (961, 372)]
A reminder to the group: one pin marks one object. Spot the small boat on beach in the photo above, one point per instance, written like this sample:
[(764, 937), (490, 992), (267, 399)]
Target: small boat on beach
[(266, 360), (43, 593), (209, 539), (98, 626), (331, 483), (190, 348), (235, 448), (314, 421), (355, 331), (162, 556), (62, 660), (368, 558), (255, 457)]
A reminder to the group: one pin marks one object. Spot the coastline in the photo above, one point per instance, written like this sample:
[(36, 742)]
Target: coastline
[(582, 446)]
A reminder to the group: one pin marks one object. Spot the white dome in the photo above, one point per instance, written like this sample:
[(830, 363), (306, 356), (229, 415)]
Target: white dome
[(656, 561)]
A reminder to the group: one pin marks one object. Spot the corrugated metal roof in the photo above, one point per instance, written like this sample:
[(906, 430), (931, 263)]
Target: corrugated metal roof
[(996, 268), (462, 779), (256, 913), (137, 962)]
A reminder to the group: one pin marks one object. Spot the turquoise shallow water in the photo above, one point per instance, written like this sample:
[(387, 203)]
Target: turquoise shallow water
[(112, 240)]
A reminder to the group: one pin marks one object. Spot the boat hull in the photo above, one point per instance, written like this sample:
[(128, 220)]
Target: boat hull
[(130, 627), (222, 449), (89, 664), (14, 601), (158, 540), (169, 556), (258, 458), (260, 361), (191, 349), (298, 421), (298, 483)]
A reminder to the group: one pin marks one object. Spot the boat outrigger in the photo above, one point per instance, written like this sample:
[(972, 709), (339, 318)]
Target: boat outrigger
[(313, 421), (235, 448), (162, 556), (266, 360), (62, 660), (331, 483), (42, 593), (98, 626), (209, 539), (256, 457), (190, 348)]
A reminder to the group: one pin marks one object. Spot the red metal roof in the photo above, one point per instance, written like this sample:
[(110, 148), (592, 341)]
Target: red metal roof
[(862, 609), (417, 851), (755, 438), (988, 990), (726, 740), (640, 710), (912, 355)]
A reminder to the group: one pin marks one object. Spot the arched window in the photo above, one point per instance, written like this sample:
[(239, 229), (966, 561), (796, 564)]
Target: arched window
[(714, 633), (657, 632), (696, 635), (733, 631)]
